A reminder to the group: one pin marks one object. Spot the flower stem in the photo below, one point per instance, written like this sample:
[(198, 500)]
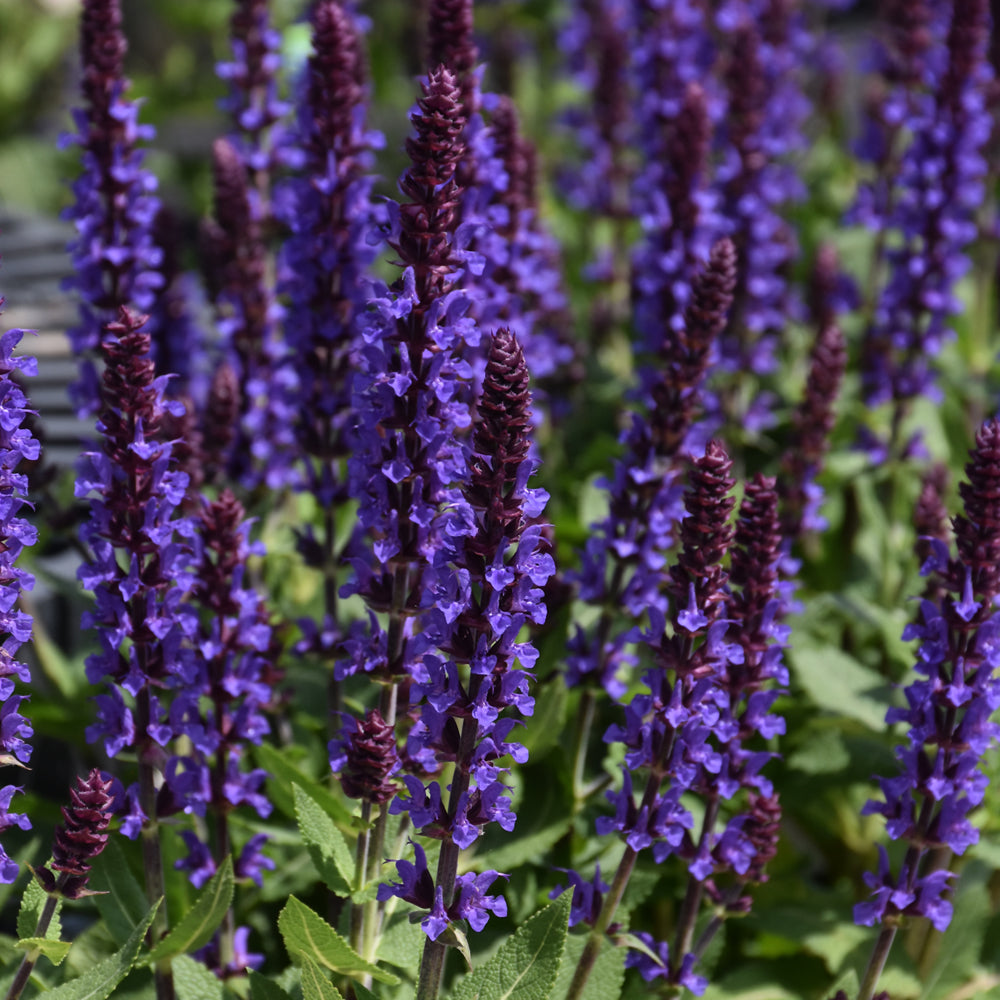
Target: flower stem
[(877, 962)]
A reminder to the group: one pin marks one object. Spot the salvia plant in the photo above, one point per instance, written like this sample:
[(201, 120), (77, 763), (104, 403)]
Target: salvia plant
[(569, 573)]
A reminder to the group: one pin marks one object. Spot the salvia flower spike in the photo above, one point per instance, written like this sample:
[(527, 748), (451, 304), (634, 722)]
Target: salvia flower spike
[(16, 444)]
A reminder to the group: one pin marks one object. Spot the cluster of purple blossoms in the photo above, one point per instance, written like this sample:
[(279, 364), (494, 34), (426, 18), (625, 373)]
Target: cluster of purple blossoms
[(927, 193), (948, 707), (760, 128), (673, 197), (232, 658), (253, 100), (494, 590), (624, 560), (16, 444), (248, 321), (324, 261), (710, 688), (115, 261), (140, 559)]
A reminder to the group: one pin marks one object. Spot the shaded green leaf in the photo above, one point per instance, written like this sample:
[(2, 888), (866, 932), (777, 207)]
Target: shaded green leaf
[(836, 681), (525, 968), (202, 920), (308, 935), (283, 774), (32, 904), (315, 985), (122, 902), (262, 988), (194, 981), (100, 982), (327, 847), (54, 951), (606, 978), (402, 943)]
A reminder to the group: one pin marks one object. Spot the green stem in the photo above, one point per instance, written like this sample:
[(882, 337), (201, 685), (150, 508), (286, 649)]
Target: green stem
[(152, 858), (28, 962), (692, 898), (596, 937), (877, 962)]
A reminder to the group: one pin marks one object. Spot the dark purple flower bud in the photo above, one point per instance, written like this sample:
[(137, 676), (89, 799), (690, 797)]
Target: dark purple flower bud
[(699, 578), (811, 426), (365, 758), (675, 395), (451, 43), (80, 838), (220, 421), (977, 532)]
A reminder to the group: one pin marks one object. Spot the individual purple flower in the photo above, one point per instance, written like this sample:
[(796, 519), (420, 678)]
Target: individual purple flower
[(588, 897), (948, 709), (651, 969), (16, 445), (115, 261)]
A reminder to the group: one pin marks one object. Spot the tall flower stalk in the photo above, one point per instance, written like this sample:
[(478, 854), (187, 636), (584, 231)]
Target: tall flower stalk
[(477, 689), (407, 453), (139, 573), (16, 445), (948, 711), (115, 261)]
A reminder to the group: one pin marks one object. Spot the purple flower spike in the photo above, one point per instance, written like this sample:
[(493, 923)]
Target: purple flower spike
[(16, 443), (115, 262), (948, 707), (140, 565), (323, 265)]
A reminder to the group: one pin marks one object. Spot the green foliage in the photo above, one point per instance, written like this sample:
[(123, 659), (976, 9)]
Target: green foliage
[(198, 925), (526, 966), (327, 847)]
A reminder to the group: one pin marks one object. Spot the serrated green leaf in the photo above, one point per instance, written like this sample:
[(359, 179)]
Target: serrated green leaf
[(525, 968), (327, 847), (402, 943), (963, 940), (315, 985), (835, 680), (202, 920), (54, 951), (308, 935), (606, 978), (262, 988), (122, 902), (282, 775), (100, 982), (32, 904), (194, 981)]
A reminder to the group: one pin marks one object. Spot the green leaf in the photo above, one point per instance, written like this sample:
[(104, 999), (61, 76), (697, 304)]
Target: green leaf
[(315, 985), (54, 951), (606, 978), (836, 681), (262, 988), (525, 968), (283, 775), (202, 920), (327, 847), (402, 943), (963, 940), (194, 981), (32, 904), (122, 902), (308, 935), (100, 982), (546, 726)]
